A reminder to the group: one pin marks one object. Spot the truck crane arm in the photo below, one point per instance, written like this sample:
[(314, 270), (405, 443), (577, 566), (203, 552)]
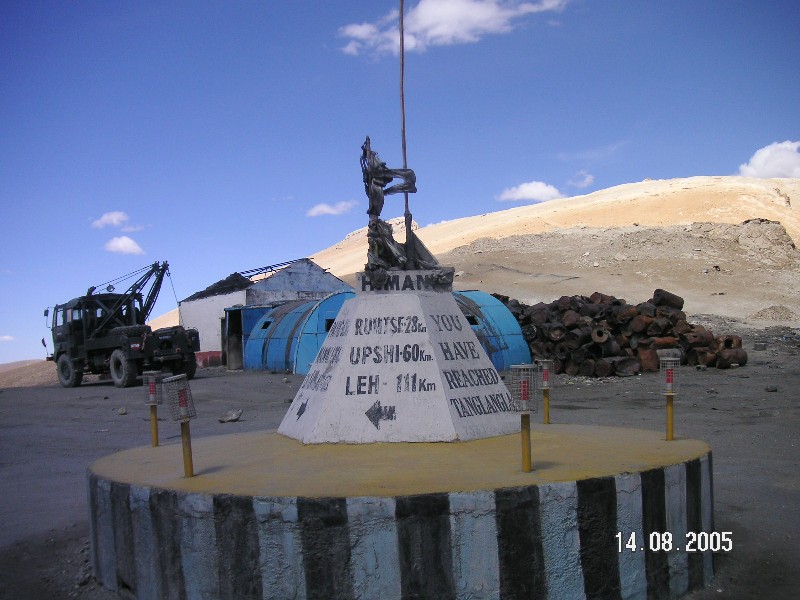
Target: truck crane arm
[(152, 295), (134, 291)]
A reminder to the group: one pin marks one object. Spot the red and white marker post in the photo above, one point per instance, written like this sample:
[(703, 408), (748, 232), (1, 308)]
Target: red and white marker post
[(669, 378), (523, 391), (182, 405), (545, 374), (153, 389)]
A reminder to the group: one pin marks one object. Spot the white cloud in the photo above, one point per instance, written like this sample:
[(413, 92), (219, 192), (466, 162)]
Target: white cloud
[(779, 159), (442, 23), (115, 218), (123, 245), (326, 209), (583, 179), (6, 338), (537, 191)]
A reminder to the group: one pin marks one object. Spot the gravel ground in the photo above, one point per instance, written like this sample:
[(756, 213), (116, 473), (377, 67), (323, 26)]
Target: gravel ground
[(749, 415)]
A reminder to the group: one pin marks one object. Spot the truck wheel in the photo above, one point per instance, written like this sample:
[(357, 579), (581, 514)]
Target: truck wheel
[(123, 370), (187, 367), (190, 366), (68, 375)]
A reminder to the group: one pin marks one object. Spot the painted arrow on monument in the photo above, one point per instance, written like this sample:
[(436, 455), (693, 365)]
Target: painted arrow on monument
[(378, 413), (302, 409)]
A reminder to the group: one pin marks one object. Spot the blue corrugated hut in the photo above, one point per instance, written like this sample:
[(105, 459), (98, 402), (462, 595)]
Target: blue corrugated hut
[(287, 337), (496, 328)]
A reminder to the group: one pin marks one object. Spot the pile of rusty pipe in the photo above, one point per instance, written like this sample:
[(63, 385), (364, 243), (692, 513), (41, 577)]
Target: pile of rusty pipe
[(601, 335)]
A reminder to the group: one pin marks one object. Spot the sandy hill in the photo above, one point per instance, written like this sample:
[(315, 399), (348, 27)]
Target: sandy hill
[(652, 203), (168, 319), (684, 235), (26, 373)]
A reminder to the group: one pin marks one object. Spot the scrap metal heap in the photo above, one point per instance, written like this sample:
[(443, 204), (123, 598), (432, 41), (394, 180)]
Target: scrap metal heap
[(601, 335)]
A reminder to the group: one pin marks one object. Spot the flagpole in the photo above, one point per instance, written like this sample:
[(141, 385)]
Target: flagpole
[(410, 254)]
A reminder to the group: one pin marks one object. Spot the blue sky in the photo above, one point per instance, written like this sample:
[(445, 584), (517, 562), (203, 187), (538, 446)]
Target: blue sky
[(224, 136)]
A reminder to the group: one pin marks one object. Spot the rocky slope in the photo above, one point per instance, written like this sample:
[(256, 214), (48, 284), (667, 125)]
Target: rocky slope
[(661, 203)]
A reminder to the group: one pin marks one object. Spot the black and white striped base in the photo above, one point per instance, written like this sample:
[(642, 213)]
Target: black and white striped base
[(555, 540)]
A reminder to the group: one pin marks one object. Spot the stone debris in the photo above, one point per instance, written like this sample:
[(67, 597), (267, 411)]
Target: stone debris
[(231, 416), (774, 313)]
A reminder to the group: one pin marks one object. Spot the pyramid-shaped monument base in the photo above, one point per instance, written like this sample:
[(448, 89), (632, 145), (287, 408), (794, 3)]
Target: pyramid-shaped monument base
[(401, 363)]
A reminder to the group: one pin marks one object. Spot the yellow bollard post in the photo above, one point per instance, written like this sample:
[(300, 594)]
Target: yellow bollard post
[(670, 413), (546, 406), (525, 434), (186, 440), (523, 396), (153, 386), (154, 424), (180, 399)]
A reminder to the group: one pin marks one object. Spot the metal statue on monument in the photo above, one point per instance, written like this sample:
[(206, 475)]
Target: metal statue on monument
[(385, 253)]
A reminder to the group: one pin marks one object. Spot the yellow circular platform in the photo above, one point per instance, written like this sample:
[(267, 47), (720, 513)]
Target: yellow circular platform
[(270, 464), (266, 516)]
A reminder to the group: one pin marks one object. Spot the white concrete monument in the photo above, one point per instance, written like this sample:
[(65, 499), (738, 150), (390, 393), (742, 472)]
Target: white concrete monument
[(400, 364)]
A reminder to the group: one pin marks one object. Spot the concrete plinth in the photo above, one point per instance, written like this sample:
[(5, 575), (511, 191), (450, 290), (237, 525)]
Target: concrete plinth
[(269, 517), (401, 363)]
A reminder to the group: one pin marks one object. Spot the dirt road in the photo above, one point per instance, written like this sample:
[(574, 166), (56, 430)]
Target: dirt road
[(749, 415)]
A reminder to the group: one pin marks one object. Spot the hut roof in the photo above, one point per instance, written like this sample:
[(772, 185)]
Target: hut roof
[(232, 283)]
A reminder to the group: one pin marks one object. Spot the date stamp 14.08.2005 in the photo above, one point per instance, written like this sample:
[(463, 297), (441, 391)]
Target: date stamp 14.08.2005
[(700, 541)]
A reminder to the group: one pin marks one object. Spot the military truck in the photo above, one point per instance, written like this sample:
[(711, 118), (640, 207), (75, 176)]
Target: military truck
[(105, 333)]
